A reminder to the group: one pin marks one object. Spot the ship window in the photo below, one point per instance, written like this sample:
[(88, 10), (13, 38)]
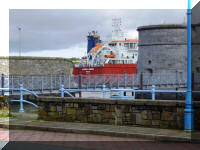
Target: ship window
[(112, 44), (120, 44), (126, 44), (131, 45)]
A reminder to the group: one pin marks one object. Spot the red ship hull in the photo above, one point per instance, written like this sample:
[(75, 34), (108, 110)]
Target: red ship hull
[(107, 69)]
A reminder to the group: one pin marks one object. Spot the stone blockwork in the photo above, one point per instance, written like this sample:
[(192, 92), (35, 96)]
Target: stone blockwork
[(161, 114), (196, 48), (4, 63), (162, 49), (35, 66)]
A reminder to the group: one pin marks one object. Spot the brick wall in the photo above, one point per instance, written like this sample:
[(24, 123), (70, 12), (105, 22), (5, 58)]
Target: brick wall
[(160, 113)]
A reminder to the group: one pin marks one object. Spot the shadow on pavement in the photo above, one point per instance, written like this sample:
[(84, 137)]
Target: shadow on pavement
[(94, 145)]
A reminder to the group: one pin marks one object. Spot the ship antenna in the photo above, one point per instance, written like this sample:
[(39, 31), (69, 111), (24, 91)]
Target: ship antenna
[(117, 33)]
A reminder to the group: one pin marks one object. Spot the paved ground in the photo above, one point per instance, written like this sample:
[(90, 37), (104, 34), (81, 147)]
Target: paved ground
[(68, 141), (154, 134), (32, 135), (98, 146), (46, 135)]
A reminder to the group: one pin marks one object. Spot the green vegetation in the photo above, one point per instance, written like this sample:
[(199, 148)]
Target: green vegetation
[(75, 60), (37, 120), (5, 113)]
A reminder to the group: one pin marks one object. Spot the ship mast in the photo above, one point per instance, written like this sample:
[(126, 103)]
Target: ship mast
[(117, 33)]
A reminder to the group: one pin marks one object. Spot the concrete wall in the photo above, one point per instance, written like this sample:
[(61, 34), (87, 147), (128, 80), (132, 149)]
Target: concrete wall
[(162, 49), (160, 114), (28, 66)]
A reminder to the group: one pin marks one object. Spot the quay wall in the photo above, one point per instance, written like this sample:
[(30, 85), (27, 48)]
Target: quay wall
[(147, 113)]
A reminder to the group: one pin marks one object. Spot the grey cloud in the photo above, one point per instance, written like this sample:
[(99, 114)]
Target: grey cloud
[(62, 29)]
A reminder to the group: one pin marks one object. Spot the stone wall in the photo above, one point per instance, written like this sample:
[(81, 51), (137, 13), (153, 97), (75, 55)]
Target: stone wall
[(196, 47), (160, 114), (4, 65), (162, 49), (196, 55), (35, 66)]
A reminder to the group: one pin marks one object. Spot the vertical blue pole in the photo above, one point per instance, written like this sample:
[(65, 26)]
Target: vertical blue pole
[(188, 118), (62, 90), (153, 92), (104, 91), (21, 110)]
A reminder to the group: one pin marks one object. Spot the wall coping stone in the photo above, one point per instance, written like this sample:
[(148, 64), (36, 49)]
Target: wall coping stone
[(33, 58), (146, 102)]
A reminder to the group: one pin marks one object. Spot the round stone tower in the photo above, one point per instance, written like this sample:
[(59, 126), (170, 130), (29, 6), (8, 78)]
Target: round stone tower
[(162, 49), (196, 50)]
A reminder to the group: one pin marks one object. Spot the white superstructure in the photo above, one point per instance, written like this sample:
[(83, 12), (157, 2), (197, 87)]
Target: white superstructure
[(117, 50)]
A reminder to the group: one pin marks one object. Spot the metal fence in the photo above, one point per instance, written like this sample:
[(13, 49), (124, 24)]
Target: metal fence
[(145, 81), (51, 84)]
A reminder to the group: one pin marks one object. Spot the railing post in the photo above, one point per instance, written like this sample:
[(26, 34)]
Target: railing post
[(141, 84), (132, 85), (32, 82), (104, 79), (104, 91), (69, 79), (79, 83), (2, 83), (42, 85), (12, 84), (51, 88), (124, 79), (89, 78), (193, 81), (54, 82), (118, 81), (95, 77), (153, 92), (21, 110), (62, 90)]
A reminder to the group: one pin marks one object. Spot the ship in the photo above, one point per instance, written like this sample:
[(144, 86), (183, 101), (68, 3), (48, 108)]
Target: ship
[(117, 55)]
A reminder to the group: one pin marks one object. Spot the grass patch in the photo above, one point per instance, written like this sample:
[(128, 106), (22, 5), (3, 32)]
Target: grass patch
[(37, 120), (5, 113)]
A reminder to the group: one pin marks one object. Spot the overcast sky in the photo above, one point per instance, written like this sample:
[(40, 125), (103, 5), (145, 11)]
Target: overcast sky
[(62, 33)]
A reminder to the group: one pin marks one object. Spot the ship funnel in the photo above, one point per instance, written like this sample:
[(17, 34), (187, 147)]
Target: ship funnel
[(93, 39)]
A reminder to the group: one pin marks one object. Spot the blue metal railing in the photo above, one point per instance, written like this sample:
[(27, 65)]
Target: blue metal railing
[(21, 100), (120, 92)]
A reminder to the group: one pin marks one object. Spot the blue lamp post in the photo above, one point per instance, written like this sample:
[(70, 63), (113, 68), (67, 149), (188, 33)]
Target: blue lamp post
[(189, 117)]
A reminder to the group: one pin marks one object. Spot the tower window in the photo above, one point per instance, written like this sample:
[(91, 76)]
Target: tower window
[(198, 69), (150, 71)]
